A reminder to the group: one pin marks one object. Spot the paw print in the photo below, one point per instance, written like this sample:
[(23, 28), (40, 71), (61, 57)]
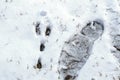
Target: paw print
[(43, 29)]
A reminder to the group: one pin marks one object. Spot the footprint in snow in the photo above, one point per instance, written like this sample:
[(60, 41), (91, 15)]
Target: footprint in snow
[(77, 50)]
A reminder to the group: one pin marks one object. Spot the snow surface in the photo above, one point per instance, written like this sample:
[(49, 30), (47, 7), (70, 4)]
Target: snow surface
[(19, 44)]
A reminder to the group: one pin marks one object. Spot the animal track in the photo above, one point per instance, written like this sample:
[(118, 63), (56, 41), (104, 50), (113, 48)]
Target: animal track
[(39, 64), (48, 31), (42, 46), (37, 28), (42, 32), (42, 29), (77, 49)]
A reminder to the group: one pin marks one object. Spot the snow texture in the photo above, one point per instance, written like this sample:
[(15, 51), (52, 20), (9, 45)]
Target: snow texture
[(59, 39)]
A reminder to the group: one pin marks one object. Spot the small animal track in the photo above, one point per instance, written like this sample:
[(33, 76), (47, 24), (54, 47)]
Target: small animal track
[(38, 65), (42, 29), (42, 46), (37, 28), (46, 33), (77, 50)]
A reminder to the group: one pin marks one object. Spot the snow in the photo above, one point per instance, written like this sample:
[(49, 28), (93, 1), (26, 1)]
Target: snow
[(19, 44)]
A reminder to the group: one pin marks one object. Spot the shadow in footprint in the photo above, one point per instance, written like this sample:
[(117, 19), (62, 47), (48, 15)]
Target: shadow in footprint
[(48, 31), (37, 28), (42, 47)]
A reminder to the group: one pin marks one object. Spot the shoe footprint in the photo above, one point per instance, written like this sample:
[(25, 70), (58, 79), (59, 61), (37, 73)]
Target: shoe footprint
[(116, 45), (77, 50), (93, 29)]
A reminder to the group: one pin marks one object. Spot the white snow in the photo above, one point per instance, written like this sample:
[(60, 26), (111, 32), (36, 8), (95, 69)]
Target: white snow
[(19, 44)]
